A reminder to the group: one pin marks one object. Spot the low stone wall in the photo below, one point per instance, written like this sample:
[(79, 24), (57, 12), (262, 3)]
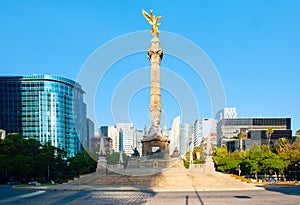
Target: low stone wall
[(199, 167), (142, 163)]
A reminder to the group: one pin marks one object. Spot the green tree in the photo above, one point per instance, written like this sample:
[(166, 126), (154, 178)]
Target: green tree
[(270, 132), (252, 160), (298, 133), (114, 158), (272, 163), (227, 165), (291, 157), (219, 154), (6, 166), (82, 163), (281, 145)]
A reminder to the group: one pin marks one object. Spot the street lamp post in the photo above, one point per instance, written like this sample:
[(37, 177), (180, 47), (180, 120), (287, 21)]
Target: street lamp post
[(296, 167), (191, 150), (49, 172)]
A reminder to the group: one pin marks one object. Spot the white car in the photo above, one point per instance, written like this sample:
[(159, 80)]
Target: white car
[(34, 183)]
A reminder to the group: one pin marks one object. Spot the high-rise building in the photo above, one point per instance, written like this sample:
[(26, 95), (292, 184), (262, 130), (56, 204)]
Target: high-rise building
[(90, 129), (47, 108), (114, 134), (204, 128), (128, 137), (252, 128), (186, 138), (174, 135), (139, 134), (226, 113)]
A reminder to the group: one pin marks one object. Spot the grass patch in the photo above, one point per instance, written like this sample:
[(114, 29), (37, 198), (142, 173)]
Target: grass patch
[(32, 185)]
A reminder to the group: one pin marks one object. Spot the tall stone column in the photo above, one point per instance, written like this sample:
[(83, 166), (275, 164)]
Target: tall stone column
[(155, 54), (155, 144)]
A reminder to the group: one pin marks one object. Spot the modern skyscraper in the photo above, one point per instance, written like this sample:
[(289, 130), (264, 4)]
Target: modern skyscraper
[(204, 128), (226, 113), (186, 138), (90, 129), (128, 136), (174, 135), (47, 108)]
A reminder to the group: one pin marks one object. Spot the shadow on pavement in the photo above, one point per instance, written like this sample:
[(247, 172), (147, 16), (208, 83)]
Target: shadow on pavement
[(198, 196), (243, 197), (284, 189)]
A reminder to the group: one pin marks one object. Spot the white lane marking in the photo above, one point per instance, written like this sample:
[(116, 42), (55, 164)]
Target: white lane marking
[(22, 196)]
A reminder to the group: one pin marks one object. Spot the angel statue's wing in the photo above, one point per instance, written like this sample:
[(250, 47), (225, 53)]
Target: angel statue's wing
[(147, 16)]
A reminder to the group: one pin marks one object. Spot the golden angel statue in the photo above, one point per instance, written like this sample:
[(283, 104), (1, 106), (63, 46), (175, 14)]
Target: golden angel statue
[(153, 20)]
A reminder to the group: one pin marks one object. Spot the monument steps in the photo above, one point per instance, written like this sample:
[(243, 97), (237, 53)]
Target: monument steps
[(168, 178), (115, 179)]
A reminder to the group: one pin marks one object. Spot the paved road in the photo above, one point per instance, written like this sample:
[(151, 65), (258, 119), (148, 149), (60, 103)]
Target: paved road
[(9, 195)]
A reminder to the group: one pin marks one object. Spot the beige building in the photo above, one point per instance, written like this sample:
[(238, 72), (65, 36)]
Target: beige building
[(113, 132)]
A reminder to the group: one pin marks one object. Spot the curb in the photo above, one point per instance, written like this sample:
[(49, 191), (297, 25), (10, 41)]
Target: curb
[(133, 188)]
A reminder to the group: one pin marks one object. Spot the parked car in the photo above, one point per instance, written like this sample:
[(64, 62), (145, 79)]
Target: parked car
[(271, 180), (36, 183), (14, 183)]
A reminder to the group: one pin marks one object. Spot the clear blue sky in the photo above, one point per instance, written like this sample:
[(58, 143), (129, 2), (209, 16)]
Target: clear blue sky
[(254, 45)]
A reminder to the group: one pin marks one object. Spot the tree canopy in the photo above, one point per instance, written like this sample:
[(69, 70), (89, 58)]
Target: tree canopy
[(261, 160), (26, 159)]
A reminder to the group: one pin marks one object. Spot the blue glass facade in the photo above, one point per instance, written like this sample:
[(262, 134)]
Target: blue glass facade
[(48, 108)]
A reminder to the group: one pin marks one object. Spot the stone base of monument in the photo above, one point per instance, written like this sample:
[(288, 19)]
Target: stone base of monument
[(155, 154), (101, 165), (146, 163), (152, 144), (115, 167), (209, 167)]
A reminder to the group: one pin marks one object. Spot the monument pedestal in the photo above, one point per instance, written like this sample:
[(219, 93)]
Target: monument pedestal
[(101, 165), (146, 163), (209, 167), (155, 153), (155, 145)]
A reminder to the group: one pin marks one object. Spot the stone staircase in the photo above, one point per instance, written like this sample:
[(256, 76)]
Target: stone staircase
[(171, 178)]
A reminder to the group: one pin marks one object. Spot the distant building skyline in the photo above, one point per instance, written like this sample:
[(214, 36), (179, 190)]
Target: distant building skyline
[(174, 135), (204, 128), (186, 139), (38, 103), (128, 136), (90, 130)]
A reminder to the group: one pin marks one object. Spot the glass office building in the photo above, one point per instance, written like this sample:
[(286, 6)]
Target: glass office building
[(229, 129), (47, 108)]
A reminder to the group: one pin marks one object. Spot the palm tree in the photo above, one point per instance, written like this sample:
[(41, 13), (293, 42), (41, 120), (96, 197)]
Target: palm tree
[(241, 137), (282, 144), (270, 131)]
